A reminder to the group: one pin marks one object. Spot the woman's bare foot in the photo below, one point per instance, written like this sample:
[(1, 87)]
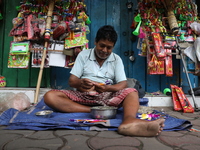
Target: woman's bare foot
[(138, 127)]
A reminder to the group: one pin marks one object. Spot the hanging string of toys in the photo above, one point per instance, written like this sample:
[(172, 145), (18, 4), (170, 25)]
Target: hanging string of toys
[(68, 28), (156, 23)]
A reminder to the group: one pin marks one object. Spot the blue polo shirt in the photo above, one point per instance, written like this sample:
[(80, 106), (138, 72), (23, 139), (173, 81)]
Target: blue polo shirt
[(86, 66)]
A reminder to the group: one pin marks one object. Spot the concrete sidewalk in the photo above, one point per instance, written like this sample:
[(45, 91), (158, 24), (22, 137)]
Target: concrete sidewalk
[(63, 139)]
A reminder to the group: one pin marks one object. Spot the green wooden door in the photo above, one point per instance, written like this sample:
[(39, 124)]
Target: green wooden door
[(15, 77)]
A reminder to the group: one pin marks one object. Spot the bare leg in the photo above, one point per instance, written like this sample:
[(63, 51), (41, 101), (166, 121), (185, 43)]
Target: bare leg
[(59, 101), (137, 127)]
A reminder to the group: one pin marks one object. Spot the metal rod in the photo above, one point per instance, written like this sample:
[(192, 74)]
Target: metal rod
[(184, 66)]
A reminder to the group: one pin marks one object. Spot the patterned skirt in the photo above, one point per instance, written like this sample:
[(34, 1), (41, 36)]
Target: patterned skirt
[(93, 99)]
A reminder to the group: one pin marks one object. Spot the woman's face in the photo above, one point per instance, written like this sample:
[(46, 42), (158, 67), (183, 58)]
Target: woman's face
[(103, 49)]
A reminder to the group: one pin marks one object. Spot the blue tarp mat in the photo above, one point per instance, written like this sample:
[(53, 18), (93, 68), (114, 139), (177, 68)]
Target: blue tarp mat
[(14, 119)]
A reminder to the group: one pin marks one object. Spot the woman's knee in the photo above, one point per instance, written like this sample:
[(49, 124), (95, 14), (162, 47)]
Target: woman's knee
[(49, 96), (53, 95), (133, 94)]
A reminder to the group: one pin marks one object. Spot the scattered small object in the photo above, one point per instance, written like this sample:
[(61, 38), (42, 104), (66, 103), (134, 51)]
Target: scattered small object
[(152, 115), (87, 120), (155, 93), (162, 110), (194, 130), (101, 83), (145, 109), (44, 113), (149, 116)]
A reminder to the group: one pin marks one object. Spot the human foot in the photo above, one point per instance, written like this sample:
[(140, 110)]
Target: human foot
[(142, 127)]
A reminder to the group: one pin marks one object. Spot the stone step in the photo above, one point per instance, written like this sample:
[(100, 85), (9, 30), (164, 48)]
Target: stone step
[(154, 101)]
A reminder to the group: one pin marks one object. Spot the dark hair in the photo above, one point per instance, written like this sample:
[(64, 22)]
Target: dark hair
[(106, 32)]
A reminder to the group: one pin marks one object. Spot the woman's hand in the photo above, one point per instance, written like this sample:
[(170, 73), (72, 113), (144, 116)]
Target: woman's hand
[(87, 84), (82, 85), (100, 87)]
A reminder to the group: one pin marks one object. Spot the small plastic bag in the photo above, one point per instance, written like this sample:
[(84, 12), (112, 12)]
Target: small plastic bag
[(195, 26), (197, 47), (190, 52), (19, 101)]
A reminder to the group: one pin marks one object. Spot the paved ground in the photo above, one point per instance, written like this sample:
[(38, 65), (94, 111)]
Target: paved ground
[(104, 140)]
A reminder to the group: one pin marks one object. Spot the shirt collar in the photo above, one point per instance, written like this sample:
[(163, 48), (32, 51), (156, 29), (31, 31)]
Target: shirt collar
[(110, 58)]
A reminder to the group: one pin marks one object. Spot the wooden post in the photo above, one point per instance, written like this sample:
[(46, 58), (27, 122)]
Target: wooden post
[(171, 17), (47, 37)]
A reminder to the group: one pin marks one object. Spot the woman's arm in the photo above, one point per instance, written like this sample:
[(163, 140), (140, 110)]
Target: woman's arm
[(83, 85), (110, 88)]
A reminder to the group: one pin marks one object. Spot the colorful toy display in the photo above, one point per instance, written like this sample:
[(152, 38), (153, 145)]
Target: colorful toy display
[(156, 23), (68, 27)]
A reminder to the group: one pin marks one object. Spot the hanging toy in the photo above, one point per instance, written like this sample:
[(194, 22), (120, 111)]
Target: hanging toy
[(139, 21), (149, 116), (2, 81), (85, 17)]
